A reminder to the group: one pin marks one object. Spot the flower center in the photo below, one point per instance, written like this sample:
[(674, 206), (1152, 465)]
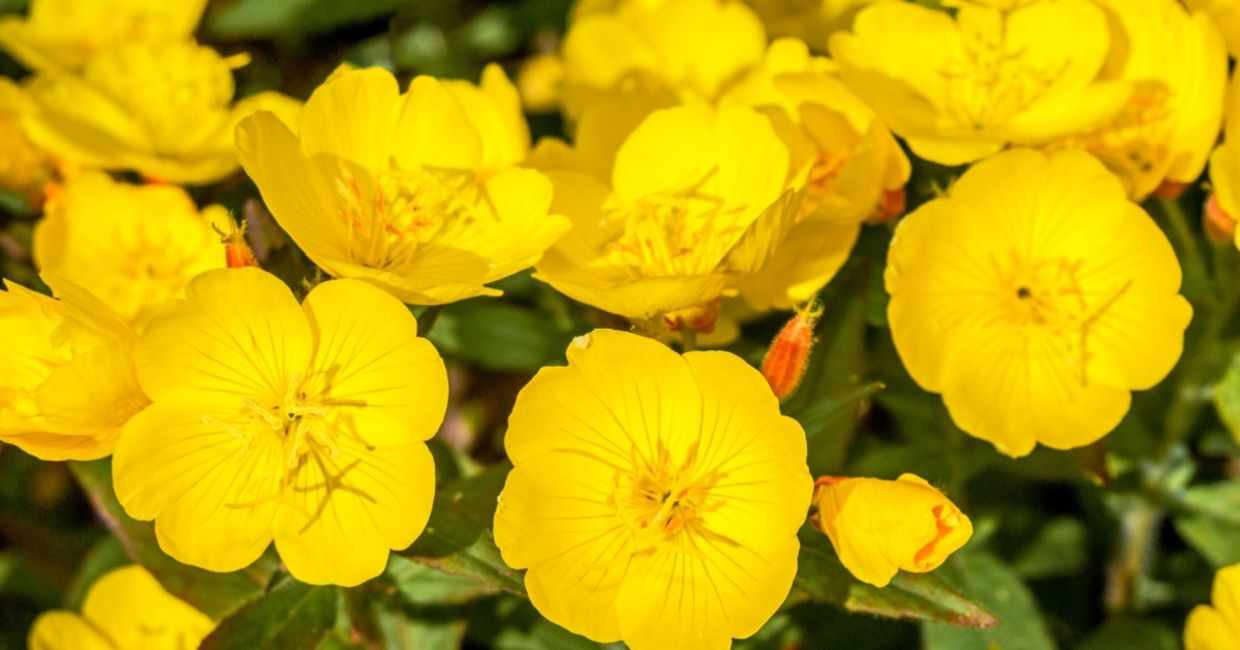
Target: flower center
[(993, 81), (673, 233), (391, 212), (1136, 141), (1049, 295), (659, 498)]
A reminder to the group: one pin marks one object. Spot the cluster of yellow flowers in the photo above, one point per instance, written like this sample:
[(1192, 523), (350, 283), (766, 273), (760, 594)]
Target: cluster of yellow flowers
[(712, 175)]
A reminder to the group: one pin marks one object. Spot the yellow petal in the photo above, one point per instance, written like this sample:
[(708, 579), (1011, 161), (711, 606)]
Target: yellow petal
[(131, 607), (186, 463), (341, 515), (64, 630), (352, 116), (433, 129), (389, 382), (239, 332)]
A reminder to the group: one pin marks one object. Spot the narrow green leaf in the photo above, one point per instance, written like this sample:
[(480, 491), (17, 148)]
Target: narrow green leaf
[(214, 594), (999, 589), (1057, 550), (924, 597), (499, 336), (420, 584), (291, 615)]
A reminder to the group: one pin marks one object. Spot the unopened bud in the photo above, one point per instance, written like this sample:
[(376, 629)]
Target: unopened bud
[(1220, 227), (237, 252), (890, 206), (1170, 190), (788, 356)]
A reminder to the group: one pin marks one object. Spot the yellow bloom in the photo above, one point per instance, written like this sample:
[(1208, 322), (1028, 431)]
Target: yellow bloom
[(853, 159), (65, 34), (413, 192), (1178, 65), (126, 609), (1225, 162), (1217, 627), (136, 246), (24, 167), (303, 424), (960, 89), (654, 498), (67, 381), (689, 49), (1035, 298), (540, 82), (1226, 15), (696, 199), (880, 527), (164, 110)]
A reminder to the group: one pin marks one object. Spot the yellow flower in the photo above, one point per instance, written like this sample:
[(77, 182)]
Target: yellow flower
[(1225, 162), (812, 21), (1217, 627), (1035, 298), (655, 498), (540, 82), (1178, 65), (303, 424), (164, 110), (696, 198), (960, 89), (880, 527), (126, 609), (67, 380), (689, 49), (1226, 15), (24, 167), (136, 246), (65, 34), (854, 164), (413, 192)]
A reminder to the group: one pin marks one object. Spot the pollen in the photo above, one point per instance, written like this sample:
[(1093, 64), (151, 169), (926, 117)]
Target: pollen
[(659, 498)]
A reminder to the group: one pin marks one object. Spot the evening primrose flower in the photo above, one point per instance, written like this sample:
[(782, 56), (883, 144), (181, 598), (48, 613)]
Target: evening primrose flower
[(64, 35), (124, 610), (164, 110), (694, 199), (686, 49), (960, 88), (1178, 65), (654, 498), (855, 166), (812, 21), (1217, 627), (879, 528), (413, 192), (303, 424), (67, 379), (136, 246), (1035, 297), (24, 167)]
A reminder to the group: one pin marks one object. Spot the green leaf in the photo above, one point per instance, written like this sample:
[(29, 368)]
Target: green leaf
[(291, 615), (247, 19), (458, 539), (1227, 397), (999, 589), (1209, 520), (1057, 550), (214, 594), (499, 336), (420, 584), (405, 629), (924, 597), (1132, 634)]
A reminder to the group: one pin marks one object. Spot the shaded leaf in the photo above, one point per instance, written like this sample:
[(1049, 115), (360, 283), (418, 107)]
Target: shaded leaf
[(1057, 550), (291, 615), (923, 597), (1209, 520), (499, 336), (1132, 634), (999, 589), (214, 594), (420, 584)]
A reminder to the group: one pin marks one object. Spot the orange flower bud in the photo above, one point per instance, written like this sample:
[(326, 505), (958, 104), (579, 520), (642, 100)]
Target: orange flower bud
[(237, 252), (788, 356), (880, 527), (1220, 227), (1170, 190), (890, 206)]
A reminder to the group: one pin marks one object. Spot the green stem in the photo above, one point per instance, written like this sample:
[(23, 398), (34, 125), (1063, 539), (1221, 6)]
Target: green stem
[(427, 320), (1195, 273), (688, 339)]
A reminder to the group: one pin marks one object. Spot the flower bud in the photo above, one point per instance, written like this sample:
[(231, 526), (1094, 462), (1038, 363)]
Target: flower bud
[(701, 318), (1220, 227), (1170, 190), (879, 527), (890, 206), (236, 251), (788, 356)]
